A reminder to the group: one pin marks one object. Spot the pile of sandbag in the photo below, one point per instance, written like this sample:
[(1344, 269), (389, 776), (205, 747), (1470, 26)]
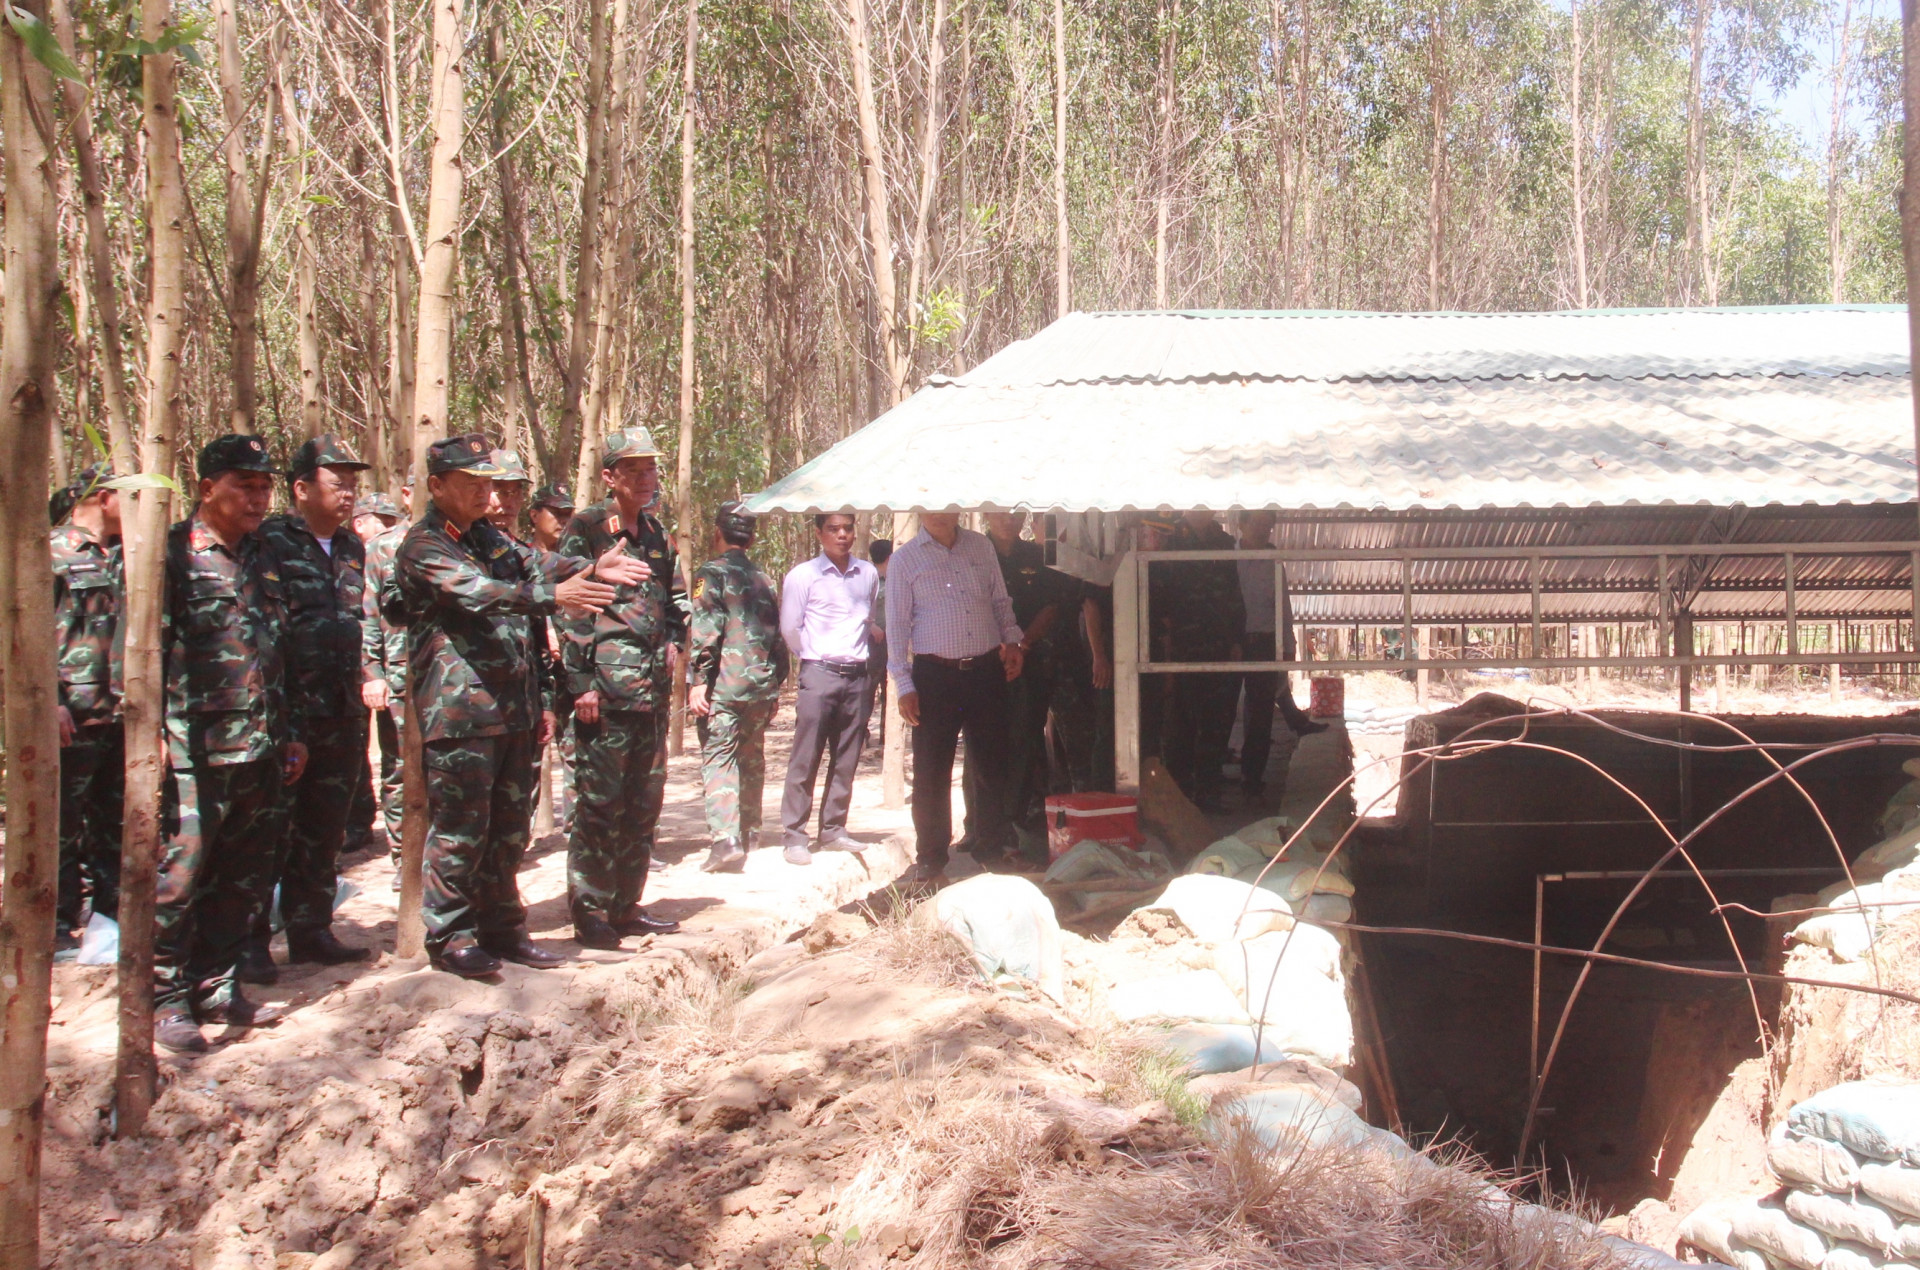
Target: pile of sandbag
[(1312, 885), (1276, 984), (1089, 873), (1848, 1160), (1885, 884)]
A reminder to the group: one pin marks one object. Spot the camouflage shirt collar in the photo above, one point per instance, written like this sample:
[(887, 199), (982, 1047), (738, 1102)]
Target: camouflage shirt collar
[(201, 538)]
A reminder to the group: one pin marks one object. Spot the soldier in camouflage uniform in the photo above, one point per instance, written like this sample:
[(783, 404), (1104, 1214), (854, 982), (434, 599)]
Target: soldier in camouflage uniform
[(737, 665), (88, 590), (383, 672), (233, 745), (373, 514), (458, 585), (547, 515), (323, 576), (618, 667)]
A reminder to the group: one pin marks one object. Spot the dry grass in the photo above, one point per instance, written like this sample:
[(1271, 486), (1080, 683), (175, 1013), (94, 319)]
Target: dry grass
[(905, 939), (673, 1043)]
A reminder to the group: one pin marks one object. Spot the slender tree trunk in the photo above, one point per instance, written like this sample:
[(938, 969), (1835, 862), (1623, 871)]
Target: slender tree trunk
[(1282, 54), (1836, 154), (145, 544), (586, 275), (873, 172), (1579, 171), (1910, 181), (933, 126), (432, 385), (102, 292), (406, 259), (32, 854), (683, 461), (512, 231), (1163, 151), (246, 217), (381, 424), (1698, 285), (1062, 244), (306, 259), (1440, 104)]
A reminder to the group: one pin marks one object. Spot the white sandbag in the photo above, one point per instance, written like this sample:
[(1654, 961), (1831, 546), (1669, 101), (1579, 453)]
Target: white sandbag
[(1876, 1119), (1905, 1244), (1849, 1257), (1291, 984), (1298, 881), (1219, 910), (1849, 934), (1765, 1226), (1289, 1117), (1709, 1228), (1302, 950), (1229, 857), (1085, 861), (1811, 1162), (1309, 1016), (1863, 1222), (1197, 995), (1271, 835), (1897, 851), (1903, 810), (1007, 924), (1895, 1185), (1208, 1048), (1327, 908), (100, 942)]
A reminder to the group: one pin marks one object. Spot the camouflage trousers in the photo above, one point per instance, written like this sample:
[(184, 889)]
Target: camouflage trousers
[(619, 782), (317, 824), (92, 790), (479, 805), (387, 727), (733, 768), (216, 875)]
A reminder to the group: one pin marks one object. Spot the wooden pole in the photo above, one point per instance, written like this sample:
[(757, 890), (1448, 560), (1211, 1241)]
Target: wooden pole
[(683, 461), (32, 857), (1910, 198)]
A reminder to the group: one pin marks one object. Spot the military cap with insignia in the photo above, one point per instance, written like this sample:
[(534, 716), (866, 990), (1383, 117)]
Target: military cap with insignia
[(235, 452), (68, 496), (325, 450), (376, 504), (510, 465), (555, 497), (471, 452), (628, 443)]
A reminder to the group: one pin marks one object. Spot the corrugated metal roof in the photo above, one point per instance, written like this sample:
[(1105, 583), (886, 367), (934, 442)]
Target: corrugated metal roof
[(1187, 347), (1376, 446)]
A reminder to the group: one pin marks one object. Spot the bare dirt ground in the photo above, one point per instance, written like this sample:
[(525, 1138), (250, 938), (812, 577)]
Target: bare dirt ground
[(396, 1105)]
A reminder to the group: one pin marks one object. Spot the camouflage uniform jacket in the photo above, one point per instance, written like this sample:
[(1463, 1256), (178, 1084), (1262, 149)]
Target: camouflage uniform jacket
[(222, 642), (88, 589), (1198, 607), (737, 649), (325, 601), (383, 644), (621, 653), (463, 601)]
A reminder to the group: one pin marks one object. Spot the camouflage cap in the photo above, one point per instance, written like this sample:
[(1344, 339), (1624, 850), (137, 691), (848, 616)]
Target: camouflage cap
[(733, 517), (376, 504), (325, 450), (511, 467), (68, 496), (469, 452), (628, 443), (235, 452), (555, 497)]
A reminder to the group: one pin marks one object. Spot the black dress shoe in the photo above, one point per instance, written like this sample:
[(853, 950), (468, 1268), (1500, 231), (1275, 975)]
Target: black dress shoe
[(470, 962), (321, 946), (590, 930), (237, 1011), (256, 964), (175, 1030), (922, 879), (636, 922), (523, 952)]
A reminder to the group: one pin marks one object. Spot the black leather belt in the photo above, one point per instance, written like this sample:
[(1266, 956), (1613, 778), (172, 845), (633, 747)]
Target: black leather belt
[(848, 668), (976, 662)]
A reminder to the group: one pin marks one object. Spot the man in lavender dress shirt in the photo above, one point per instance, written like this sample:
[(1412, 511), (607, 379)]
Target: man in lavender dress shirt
[(952, 648)]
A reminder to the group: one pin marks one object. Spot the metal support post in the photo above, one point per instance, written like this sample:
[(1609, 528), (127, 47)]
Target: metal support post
[(1129, 650)]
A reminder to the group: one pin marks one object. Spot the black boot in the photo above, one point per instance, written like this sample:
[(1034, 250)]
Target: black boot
[(590, 930), (522, 951), (256, 964), (175, 1030), (469, 962), (1297, 718), (635, 921)]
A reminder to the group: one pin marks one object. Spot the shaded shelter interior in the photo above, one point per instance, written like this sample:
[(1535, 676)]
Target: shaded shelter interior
[(1478, 839)]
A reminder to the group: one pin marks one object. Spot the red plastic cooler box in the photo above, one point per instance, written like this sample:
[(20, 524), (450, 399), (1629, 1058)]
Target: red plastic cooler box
[(1075, 818)]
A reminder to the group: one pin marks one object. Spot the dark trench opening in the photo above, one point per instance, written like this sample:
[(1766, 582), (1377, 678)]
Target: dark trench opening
[(1478, 841)]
